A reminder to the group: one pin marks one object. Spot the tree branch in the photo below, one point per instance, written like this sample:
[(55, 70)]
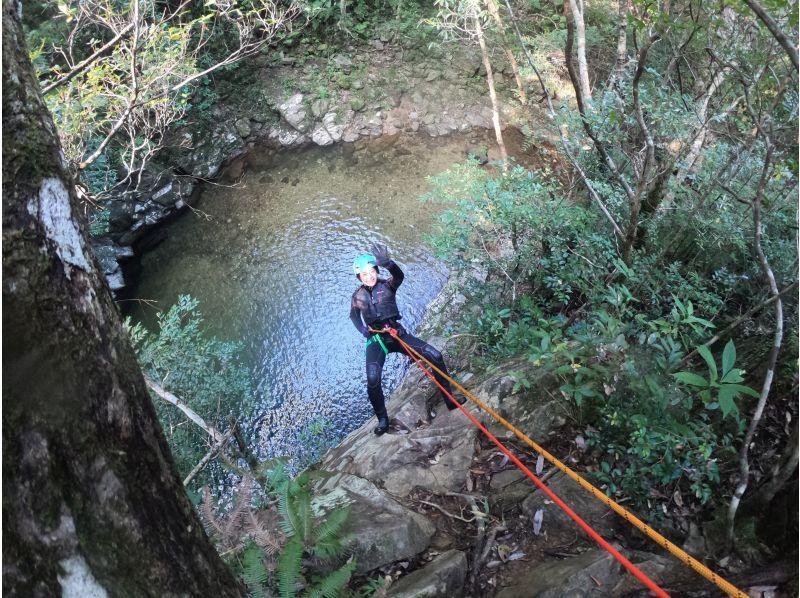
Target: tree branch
[(584, 178), (775, 30), (188, 411), (79, 68)]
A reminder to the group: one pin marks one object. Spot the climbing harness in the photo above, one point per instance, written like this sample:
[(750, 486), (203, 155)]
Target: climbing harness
[(376, 338), (687, 559)]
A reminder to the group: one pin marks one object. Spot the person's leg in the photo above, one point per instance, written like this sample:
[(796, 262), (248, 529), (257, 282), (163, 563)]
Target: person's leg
[(435, 357), (375, 358)]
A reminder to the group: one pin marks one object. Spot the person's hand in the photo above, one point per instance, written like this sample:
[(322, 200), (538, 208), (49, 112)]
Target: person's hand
[(381, 254)]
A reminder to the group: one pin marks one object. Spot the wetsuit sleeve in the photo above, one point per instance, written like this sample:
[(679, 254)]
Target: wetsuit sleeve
[(355, 317), (397, 275)]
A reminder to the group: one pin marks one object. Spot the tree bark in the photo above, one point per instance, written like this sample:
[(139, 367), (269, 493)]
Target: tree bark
[(498, 132), (512, 61), (574, 10), (772, 360), (92, 504)]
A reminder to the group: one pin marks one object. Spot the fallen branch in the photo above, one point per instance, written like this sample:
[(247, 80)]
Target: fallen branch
[(193, 417), (435, 506), (208, 457)]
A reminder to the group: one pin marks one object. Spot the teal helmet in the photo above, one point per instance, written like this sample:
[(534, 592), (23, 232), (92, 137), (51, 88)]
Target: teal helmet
[(364, 261)]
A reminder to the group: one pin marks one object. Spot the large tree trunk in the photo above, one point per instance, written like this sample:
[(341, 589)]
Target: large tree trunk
[(574, 13), (498, 131), (512, 61), (92, 505)]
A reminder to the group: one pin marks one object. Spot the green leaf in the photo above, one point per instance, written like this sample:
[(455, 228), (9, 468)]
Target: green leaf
[(728, 358), (712, 366), (726, 403), (690, 378), (733, 376), (742, 389)]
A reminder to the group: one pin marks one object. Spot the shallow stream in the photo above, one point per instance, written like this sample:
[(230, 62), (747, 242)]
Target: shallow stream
[(270, 260)]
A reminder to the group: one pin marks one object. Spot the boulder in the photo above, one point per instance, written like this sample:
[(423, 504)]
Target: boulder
[(594, 573), (109, 255), (509, 488), (293, 111), (335, 130), (556, 521), (319, 107), (320, 136), (242, 126), (381, 529), (443, 577)]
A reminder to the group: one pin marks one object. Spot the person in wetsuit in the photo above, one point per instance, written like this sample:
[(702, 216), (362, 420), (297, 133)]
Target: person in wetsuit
[(373, 306)]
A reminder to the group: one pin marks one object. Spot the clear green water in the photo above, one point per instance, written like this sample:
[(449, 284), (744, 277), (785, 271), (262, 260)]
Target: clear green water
[(271, 264)]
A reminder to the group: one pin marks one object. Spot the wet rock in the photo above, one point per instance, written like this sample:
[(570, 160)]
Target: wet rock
[(443, 577), (382, 530), (594, 573), (120, 214)]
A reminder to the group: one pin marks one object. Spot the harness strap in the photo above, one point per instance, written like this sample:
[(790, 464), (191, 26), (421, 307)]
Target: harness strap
[(376, 338)]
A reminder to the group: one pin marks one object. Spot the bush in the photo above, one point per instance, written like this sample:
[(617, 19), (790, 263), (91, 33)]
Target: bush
[(204, 372)]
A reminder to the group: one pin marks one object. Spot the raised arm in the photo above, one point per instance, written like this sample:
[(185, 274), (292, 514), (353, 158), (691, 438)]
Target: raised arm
[(384, 261)]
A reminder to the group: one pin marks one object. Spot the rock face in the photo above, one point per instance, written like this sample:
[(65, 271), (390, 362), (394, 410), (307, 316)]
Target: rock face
[(383, 530), (555, 519), (435, 456), (443, 577), (594, 573)]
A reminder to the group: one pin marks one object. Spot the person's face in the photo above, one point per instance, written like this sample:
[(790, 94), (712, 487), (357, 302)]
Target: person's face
[(369, 277)]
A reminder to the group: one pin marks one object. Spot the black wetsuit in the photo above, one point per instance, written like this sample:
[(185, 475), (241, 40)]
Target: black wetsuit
[(375, 308)]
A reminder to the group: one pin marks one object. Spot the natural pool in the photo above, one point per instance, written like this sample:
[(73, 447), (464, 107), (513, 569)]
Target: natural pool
[(270, 260)]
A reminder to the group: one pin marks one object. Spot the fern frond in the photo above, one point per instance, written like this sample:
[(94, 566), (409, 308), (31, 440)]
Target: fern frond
[(289, 566), (332, 525), (263, 534), (243, 495), (210, 521), (326, 549), (305, 520), (331, 586), (286, 511), (254, 573)]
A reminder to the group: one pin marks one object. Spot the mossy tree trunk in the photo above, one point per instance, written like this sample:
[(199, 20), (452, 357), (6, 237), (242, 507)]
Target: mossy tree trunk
[(92, 505)]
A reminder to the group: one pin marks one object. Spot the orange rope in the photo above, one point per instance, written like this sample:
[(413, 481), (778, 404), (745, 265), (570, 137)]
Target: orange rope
[(685, 558), (633, 569)]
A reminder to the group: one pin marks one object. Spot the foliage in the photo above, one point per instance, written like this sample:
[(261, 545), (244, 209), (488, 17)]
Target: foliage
[(655, 433), (204, 372), (308, 537)]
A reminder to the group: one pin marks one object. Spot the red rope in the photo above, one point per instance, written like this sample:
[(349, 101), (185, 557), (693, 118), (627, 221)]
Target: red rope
[(633, 569)]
